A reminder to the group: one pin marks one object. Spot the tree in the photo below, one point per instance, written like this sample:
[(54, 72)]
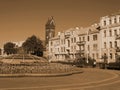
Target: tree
[(9, 48), (33, 45)]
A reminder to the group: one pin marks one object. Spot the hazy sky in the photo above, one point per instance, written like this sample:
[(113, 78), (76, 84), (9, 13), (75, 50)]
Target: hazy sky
[(20, 19)]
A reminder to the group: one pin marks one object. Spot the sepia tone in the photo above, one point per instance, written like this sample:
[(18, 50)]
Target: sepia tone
[(59, 45), (23, 18)]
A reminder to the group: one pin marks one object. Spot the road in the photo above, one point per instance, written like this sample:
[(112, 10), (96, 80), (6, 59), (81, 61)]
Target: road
[(90, 79)]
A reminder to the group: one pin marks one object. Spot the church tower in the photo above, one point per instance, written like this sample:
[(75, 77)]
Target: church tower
[(50, 29)]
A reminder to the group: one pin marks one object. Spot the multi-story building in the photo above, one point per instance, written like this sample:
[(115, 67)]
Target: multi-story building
[(63, 46), (110, 32), (75, 42), (96, 41), (89, 42)]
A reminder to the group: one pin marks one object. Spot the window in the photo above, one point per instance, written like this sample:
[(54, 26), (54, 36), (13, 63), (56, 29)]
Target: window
[(68, 43), (97, 55), (82, 47), (119, 19), (94, 46), (110, 21), (104, 23), (61, 49), (115, 21), (93, 55), (110, 44), (111, 56), (94, 37), (115, 32), (88, 38), (79, 38), (51, 43), (83, 38), (61, 41), (104, 44), (74, 39), (110, 32), (71, 40), (105, 33), (88, 47), (115, 44), (64, 41), (119, 31), (74, 48), (64, 49), (51, 50)]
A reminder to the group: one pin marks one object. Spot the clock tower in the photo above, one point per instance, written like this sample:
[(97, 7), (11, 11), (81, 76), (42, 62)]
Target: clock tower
[(50, 30)]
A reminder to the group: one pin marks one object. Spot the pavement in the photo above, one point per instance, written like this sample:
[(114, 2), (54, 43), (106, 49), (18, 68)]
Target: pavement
[(90, 79)]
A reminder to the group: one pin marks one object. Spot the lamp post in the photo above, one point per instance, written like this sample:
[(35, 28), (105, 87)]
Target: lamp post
[(105, 60)]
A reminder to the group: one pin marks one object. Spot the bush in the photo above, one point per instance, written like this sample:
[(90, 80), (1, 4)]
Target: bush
[(114, 65), (82, 62)]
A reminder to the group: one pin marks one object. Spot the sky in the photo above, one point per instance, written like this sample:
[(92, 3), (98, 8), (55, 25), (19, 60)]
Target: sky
[(20, 19)]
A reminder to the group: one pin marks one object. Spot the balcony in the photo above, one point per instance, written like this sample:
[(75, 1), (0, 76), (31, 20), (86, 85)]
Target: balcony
[(118, 49), (67, 35), (80, 51), (117, 37), (80, 43), (67, 48)]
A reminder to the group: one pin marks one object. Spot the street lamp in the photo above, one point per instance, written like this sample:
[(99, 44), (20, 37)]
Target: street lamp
[(104, 57)]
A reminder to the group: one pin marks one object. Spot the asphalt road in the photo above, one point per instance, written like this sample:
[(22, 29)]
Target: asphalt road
[(91, 79)]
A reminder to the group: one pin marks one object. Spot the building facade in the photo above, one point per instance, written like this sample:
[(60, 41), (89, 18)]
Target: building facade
[(96, 41), (110, 31), (73, 43)]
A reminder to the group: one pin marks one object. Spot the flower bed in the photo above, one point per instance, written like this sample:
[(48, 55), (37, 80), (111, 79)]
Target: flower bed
[(44, 69)]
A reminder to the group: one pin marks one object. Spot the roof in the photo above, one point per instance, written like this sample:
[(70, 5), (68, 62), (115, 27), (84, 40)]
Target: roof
[(89, 30), (50, 21)]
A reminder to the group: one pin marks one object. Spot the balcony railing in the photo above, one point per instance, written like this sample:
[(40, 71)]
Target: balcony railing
[(80, 51), (80, 42)]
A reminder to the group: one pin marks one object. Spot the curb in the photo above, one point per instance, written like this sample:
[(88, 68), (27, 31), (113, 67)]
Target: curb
[(41, 75)]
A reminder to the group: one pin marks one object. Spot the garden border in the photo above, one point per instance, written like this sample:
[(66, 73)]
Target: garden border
[(41, 75)]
